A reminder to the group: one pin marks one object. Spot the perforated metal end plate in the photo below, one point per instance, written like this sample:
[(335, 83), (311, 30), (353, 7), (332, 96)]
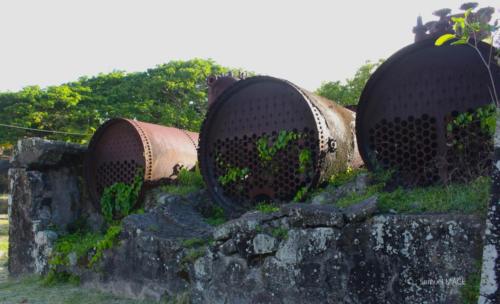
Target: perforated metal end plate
[(251, 109), (115, 155), (406, 106)]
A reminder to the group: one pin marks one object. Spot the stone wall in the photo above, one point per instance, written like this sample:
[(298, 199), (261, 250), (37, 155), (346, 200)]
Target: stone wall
[(46, 198), (303, 253), (300, 254)]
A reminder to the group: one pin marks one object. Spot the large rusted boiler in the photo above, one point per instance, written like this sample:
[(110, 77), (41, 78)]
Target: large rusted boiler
[(121, 148), (407, 111), (266, 139)]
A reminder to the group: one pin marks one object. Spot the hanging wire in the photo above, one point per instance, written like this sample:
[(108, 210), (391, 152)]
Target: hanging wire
[(43, 131)]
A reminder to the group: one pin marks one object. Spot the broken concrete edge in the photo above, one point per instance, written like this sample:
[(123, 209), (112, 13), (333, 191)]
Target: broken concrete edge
[(39, 154)]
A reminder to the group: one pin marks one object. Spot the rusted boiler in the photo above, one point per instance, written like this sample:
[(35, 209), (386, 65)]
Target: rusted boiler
[(267, 139), (121, 148), (407, 115)]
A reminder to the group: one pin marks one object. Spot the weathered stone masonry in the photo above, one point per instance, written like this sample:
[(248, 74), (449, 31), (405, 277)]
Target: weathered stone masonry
[(304, 253), (46, 197)]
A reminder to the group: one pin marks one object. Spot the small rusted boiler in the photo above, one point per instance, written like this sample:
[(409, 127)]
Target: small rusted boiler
[(121, 148), (266, 139)]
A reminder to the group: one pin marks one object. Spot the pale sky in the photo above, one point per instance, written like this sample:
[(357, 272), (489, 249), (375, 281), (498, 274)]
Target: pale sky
[(307, 42)]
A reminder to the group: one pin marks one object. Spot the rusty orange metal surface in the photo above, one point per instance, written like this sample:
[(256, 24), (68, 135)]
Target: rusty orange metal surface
[(120, 147)]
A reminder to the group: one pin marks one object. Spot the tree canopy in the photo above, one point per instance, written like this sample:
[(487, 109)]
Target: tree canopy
[(349, 92), (172, 94)]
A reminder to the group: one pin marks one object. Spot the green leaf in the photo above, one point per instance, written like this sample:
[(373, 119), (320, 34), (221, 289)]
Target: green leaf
[(446, 37), (459, 42)]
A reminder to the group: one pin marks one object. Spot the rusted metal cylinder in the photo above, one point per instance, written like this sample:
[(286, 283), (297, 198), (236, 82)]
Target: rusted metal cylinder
[(217, 85), (406, 107), (259, 109), (121, 147)]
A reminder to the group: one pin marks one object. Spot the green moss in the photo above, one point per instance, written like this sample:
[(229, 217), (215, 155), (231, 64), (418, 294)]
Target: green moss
[(186, 182), (469, 292), (217, 216), (469, 198), (194, 242), (267, 207), (193, 254), (280, 233)]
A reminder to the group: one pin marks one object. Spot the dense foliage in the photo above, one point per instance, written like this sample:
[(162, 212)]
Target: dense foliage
[(173, 94), (348, 93)]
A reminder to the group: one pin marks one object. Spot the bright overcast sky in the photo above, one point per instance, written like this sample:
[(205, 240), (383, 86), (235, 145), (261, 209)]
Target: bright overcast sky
[(51, 42)]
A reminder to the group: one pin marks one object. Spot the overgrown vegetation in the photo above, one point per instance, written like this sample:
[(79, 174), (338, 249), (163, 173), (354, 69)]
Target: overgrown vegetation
[(86, 248), (343, 177), (469, 198), (267, 150), (280, 233), (118, 200), (469, 292), (234, 174), (267, 207), (195, 249), (188, 181), (483, 116), (301, 194), (216, 217)]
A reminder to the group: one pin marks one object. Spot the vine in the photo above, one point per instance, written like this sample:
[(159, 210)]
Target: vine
[(485, 116), (234, 174), (267, 152), (305, 160), (87, 249), (118, 200)]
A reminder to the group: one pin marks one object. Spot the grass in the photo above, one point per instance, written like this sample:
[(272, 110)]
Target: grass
[(345, 177), (187, 182), (267, 207), (31, 290), (4, 196), (4, 246), (469, 292), (469, 198)]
